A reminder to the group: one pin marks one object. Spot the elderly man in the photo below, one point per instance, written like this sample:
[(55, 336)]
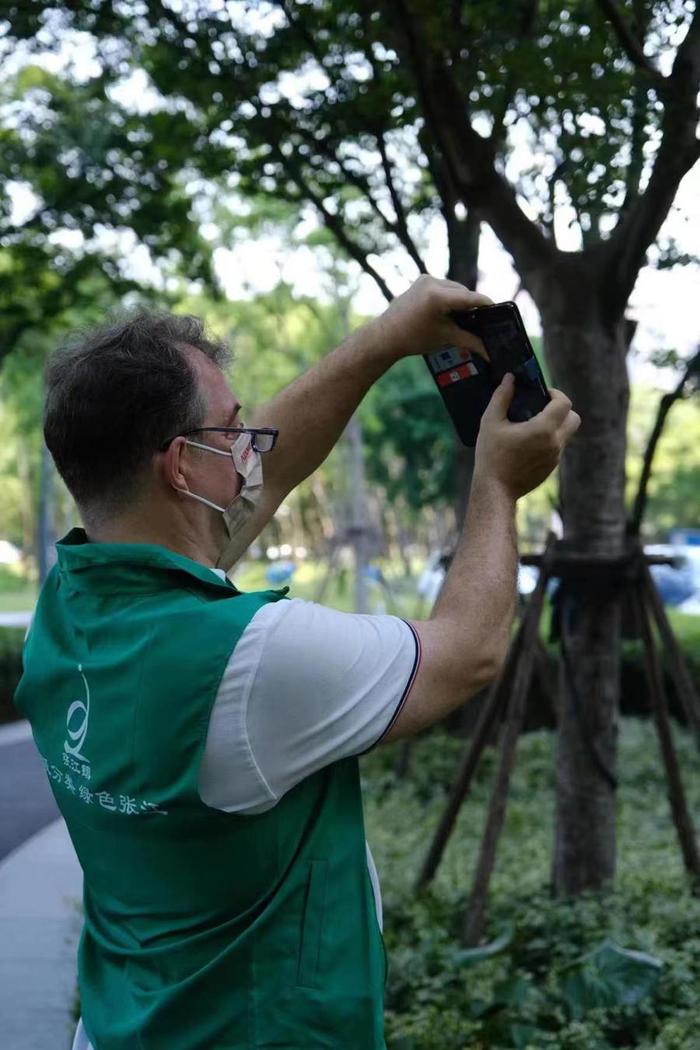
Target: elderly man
[(201, 742)]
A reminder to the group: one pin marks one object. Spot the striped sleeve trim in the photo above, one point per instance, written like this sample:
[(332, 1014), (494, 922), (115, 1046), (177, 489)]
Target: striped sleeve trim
[(404, 696)]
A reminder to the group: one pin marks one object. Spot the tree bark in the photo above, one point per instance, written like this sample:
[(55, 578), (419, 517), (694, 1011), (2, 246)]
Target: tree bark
[(46, 533), (463, 244), (587, 360)]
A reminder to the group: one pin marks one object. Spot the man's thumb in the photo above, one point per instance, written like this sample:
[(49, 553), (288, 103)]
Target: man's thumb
[(502, 397)]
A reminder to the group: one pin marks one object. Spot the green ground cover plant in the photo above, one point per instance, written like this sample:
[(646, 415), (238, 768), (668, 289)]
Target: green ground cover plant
[(597, 973), (11, 642)]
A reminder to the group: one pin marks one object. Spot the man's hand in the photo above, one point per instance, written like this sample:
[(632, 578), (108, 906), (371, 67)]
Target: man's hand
[(519, 456), (419, 321), (313, 410)]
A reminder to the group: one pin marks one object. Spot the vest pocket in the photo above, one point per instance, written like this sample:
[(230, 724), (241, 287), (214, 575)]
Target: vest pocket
[(312, 924)]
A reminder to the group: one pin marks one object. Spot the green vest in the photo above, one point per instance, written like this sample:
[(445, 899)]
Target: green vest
[(203, 930)]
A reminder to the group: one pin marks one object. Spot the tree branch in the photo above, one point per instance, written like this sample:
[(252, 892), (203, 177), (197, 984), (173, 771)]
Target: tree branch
[(468, 157), (551, 191), (299, 26), (335, 224), (630, 45), (633, 174), (525, 28), (679, 150), (462, 234), (398, 228), (358, 181), (692, 372), (401, 226)]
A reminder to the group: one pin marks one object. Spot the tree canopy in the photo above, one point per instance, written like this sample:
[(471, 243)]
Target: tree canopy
[(377, 119)]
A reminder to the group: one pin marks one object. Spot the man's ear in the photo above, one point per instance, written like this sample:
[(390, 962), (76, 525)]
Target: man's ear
[(173, 465)]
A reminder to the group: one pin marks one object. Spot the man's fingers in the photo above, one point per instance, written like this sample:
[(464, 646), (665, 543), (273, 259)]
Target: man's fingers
[(554, 414), (469, 341), (458, 297), (455, 296), (568, 428), (501, 398)]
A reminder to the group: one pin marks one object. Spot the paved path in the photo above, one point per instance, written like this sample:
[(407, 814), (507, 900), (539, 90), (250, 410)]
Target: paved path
[(26, 801), (40, 890), (15, 619)]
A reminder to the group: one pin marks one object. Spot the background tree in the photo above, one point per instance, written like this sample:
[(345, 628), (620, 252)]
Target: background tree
[(378, 120), (89, 193)]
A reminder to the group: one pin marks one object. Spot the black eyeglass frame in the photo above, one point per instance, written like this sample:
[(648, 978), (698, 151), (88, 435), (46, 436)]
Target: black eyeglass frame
[(271, 432)]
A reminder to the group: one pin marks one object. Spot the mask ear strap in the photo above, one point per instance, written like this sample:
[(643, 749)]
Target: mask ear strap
[(207, 448), (202, 499)]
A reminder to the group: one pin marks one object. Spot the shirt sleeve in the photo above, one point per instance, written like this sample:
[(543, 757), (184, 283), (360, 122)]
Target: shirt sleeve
[(305, 686)]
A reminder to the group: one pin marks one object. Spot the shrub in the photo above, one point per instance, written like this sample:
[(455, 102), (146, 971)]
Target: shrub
[(550, 981), (11, 642)]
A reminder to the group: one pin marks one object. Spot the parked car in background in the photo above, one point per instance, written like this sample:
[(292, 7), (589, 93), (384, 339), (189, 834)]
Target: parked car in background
[(678, 584)]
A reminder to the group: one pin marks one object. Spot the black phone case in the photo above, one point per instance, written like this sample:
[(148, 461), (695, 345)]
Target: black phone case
[(466, 382)]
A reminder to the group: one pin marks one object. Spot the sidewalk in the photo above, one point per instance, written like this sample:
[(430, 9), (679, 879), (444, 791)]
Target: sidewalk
[(40, 890), (15, 619)]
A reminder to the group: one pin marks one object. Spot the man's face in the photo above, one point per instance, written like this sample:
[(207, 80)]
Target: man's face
[(213, 477)]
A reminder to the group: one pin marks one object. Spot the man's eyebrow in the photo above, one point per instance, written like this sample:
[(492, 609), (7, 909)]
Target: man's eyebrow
[(232, 419)]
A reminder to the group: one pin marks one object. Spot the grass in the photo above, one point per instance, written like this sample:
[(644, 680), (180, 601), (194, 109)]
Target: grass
[(399, 598), (21, 600)]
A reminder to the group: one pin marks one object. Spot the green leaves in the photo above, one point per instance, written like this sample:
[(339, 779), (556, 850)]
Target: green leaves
[(91, 173), (321, 107), (609, 977), (472, 956), (516, 997), (409, 438)]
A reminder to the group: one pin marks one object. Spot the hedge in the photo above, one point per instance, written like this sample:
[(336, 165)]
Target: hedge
[(11, 642), (540, 714)]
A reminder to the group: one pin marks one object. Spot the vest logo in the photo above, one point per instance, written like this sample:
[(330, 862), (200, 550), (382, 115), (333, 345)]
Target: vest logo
[(76, 761), (77, 724)]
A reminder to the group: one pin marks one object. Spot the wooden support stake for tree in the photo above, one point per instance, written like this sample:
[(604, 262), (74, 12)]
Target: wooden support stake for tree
[(659, 706), (403, 763), (476, 908), (690, 702), (547, 677), (331, 560), (492, 708)]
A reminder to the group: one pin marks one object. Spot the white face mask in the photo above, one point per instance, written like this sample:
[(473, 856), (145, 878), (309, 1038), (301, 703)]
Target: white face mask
[(248, 463)]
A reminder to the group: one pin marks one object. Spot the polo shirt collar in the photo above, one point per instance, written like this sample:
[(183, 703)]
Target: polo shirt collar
[(145, 567)]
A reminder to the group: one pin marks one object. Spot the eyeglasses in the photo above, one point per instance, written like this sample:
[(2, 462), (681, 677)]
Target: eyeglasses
[(263, 439)]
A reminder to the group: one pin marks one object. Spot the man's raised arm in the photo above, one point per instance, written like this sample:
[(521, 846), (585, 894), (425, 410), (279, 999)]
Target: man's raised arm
[(312, 412)]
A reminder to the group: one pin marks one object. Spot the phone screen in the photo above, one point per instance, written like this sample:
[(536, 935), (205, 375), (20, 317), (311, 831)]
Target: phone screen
[(503, 334), (505, 345)]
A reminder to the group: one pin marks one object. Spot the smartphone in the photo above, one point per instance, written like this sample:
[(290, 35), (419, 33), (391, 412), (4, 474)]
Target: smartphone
[(466, 382)]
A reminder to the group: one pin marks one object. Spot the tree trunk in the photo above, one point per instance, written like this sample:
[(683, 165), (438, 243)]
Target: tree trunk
[(587, 360), (463, 244), (27, 505), (46, 535), (359, 521)]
